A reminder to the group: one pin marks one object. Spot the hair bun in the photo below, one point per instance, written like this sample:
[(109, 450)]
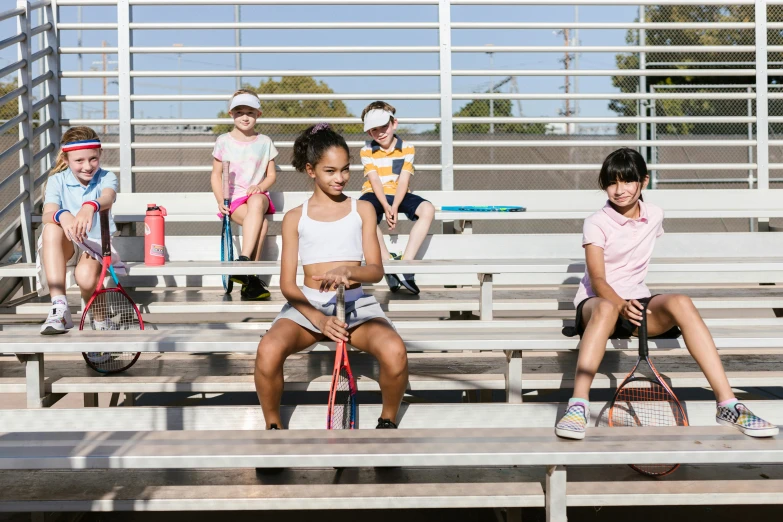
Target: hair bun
[(318, 127)]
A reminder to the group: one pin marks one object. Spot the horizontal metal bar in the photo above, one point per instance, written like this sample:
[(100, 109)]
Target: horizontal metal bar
[(48, 75), (12, 40), (13, 149), (5, 15), (43, 128), (40, 179), (618, 119), (279, 49), (86, 2), (13, 122), (41, 154), (42, 103), (88, 50), (40, 54), (597, 166), (12, 95), (609, 96), (606, 72), (41, 29), (72, 123), (39, 4), (13, 176), (278, 2), (606, 25), (603, 143), (775, 119), (283, 168), (245, 74), (273, 25), (89, 74), (211, 144), (691, 181), (276, 96), (12, 205), (603, 2), (774, 25), (8, 69), (219, 121), (111, 97), (605, 49), (86, 27)]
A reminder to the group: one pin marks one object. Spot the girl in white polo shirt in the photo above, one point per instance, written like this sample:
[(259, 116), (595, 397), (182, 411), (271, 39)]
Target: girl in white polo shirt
[(618, 242)]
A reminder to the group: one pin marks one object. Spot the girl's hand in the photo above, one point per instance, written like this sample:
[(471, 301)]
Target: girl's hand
[(66, 223), (223, 209), (82, 222), (334, 278), (632, 310), (253, 189), (333, 329)]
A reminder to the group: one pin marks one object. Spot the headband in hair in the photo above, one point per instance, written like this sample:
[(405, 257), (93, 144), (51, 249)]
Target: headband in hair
[(318, 127), (82, 144), (248, 100)]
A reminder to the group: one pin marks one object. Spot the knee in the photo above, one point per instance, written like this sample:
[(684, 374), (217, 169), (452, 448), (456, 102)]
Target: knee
[(426, 211), (257, 203), (52, 235), (681, 304), (270, 358), (394, 358), (605, 310), (86, 277)]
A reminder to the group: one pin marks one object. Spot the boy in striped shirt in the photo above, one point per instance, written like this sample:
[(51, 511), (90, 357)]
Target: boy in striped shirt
[(388, 167)]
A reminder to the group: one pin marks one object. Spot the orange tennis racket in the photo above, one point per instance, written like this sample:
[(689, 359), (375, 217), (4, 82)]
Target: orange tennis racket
[(341, 411), (643, 401)]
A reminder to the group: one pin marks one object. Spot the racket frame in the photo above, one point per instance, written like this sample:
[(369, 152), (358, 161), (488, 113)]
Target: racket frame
[(106, 266), (644, 355), (482, 208), (226, 240), (340, 362)]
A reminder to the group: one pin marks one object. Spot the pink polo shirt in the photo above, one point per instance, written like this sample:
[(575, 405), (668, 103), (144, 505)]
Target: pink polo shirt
[(628, 246)]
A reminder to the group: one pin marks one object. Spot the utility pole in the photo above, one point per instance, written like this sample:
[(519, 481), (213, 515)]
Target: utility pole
[(576, 67), (567, 63), (491, 91), (238, 43)]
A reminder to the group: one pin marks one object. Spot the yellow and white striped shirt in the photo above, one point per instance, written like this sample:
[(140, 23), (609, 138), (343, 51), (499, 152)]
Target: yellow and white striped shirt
[(388, 164)]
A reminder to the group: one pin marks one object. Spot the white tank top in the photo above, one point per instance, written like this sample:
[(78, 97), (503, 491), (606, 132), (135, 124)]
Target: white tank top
[(327, 241)]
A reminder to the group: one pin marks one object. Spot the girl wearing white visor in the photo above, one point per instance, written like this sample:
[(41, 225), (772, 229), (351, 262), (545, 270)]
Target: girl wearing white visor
[(251, 158)]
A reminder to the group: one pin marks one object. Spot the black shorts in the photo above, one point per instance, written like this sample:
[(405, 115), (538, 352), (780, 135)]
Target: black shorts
[(623, 329), (408, 205)]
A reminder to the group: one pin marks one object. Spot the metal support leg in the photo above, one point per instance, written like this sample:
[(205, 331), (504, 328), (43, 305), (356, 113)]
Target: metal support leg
[(485, 297), (90, 400), (130, 399), (34, 379), (556, 494), (513, 376), (514, 514)]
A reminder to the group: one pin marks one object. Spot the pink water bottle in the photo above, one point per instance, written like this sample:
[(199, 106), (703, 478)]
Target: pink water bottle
[(154, 235)]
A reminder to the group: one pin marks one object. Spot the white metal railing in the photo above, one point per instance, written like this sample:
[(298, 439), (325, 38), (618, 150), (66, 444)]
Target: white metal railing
[(33, 164)]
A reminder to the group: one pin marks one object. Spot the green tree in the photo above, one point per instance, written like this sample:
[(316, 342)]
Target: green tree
[(11, 109), (295, 108), (501, 109), (712, 60)]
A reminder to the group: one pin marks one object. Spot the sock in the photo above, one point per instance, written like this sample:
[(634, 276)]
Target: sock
[(731, 403), (583, 402), (59, 300)]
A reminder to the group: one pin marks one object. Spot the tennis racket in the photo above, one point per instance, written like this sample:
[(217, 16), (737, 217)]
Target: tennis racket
[(226, 245), (110, 309), (341, 413), (489, 208), (646, 401)]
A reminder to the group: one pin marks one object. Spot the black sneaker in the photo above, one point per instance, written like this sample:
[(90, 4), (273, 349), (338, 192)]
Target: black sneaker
[(269, 471), (409, 282), (241, 279), (392, 279), (385, 424), (254, 289)]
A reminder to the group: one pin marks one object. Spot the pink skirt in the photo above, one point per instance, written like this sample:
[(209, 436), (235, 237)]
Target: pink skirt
[(241, 201)]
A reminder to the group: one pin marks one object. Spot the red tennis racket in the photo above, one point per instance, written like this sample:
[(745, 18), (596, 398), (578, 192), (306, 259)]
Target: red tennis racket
[(110, 309), (643, 401), (341, 413)]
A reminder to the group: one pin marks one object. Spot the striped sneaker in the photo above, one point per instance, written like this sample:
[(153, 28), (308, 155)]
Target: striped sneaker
[(573, 423), (740, 417)]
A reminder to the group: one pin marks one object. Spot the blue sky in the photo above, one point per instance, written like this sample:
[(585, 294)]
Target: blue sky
[(344, 61)]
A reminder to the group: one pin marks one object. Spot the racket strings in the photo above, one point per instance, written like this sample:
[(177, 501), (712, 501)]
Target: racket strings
[(112, 310), (342, 408)]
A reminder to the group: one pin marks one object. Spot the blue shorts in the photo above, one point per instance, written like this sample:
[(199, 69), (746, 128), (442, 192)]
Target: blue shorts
[(408, 206)]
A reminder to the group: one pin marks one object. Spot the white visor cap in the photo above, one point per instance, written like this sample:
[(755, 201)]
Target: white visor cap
[(248, 100), (376, 118)]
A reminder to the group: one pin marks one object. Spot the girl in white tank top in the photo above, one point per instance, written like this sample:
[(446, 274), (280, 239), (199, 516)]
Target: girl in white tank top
[(331, 234)]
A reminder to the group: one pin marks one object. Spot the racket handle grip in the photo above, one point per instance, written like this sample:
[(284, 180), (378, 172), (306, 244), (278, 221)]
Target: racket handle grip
[(341, 303), (225, 179), (105, 233), (644, 349)]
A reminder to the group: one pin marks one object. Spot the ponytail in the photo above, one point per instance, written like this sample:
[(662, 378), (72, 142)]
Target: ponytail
[(313, 142)]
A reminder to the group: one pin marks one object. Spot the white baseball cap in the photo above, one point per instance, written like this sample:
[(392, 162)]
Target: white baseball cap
[(376, 118), (248, 100)]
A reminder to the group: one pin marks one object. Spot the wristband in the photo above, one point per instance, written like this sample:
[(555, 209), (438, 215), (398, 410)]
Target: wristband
[(94, 204), (56, 216)]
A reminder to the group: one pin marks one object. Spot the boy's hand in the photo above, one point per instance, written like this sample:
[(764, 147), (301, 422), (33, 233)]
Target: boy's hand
[(82, 222), (253, 189), (391, 217), (332, 328), (223, 209), (632, 310), (334, 278)]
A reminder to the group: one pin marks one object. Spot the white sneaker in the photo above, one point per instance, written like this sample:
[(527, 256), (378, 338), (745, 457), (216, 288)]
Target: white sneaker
[(108, 324), (58, 322)]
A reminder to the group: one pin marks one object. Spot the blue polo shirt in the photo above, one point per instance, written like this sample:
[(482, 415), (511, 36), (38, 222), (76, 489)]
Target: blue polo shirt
[(67, 192)]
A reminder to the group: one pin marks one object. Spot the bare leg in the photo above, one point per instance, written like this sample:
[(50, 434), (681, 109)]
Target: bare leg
[(260, 243), (384, 250), (675, 309), (283, 339), (251, 217), (87, 272), (426, 213), (599, 316), (379, 339), (57, 249)]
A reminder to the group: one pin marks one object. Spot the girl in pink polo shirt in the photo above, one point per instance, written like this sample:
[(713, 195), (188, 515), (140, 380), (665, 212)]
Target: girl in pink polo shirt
[(618, 242)]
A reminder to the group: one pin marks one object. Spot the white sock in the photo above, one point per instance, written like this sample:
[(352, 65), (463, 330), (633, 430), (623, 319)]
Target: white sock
[(59, 300)]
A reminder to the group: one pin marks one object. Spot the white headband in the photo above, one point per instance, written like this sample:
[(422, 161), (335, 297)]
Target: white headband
[(376, 118), (248, 100)]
